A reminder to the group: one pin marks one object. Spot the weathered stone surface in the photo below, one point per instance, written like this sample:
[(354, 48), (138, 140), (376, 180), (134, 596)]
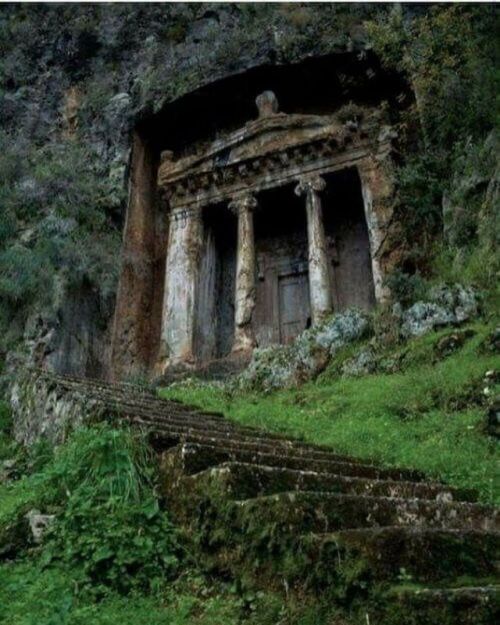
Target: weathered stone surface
[(284, 366), (415, 554), (363, 363), (39, 524), (40, 410), (246, 270)]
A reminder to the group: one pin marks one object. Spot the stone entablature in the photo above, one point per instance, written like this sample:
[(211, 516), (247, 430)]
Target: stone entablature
[(271, 151)]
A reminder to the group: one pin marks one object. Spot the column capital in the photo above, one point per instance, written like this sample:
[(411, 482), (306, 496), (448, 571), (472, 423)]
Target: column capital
[(307, 184), (180, 215), (243, 203)]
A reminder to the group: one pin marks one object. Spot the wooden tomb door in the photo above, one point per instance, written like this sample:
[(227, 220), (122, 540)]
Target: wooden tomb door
[(282, 307), (294, 308)]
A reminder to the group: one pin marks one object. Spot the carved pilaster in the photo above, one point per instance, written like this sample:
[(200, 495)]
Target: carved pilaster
[(244, 301), (378, 195), (320, 290)]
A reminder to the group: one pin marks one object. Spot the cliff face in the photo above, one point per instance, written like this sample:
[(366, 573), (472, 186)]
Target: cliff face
[(76, 82), (80, 85)]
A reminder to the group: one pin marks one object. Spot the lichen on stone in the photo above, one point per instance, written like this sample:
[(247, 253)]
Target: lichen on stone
[(445, 305), (283, 366)]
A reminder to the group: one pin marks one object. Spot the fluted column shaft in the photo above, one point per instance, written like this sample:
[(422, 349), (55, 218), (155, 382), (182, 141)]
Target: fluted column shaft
[(181, 279), (320, 291), (244, 300)]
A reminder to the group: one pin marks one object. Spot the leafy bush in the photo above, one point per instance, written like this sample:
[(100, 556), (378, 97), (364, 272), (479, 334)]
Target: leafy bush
[(110, 529), (115, 544)]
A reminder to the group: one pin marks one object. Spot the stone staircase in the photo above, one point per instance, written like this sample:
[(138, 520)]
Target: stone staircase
[(389, 545)]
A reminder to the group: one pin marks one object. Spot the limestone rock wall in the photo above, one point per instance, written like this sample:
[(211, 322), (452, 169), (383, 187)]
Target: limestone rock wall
[(40, 409)]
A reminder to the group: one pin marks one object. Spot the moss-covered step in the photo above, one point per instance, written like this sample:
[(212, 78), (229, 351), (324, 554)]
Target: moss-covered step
[(469, 605), (396, 553), (197, 456), (320, 512), (233, 442), (240, 480)]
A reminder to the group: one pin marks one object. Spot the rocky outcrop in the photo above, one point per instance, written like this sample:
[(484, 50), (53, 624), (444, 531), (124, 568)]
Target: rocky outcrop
[(287, 365), (445, 306), (78, 80)]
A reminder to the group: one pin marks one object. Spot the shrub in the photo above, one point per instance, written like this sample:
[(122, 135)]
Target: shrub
[(111, 529)]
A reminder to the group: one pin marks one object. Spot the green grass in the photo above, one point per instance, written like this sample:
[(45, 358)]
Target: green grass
[(31, 596), (429, 415)]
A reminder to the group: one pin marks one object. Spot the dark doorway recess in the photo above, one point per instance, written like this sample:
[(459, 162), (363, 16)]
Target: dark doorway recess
[(215, 312), (282, 305), (348, 242)]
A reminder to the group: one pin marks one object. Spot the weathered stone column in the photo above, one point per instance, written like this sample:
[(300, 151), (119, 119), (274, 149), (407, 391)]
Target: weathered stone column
[(181, 278), (244, 299), (320, 291)]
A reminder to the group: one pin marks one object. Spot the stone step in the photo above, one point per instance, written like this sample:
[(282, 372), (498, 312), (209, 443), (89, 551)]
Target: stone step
[(318, 512), (466, 605), (411, 554), (115, 399), (200, 453), (203, 420), (100, 390), (233, 439), (239, 480)]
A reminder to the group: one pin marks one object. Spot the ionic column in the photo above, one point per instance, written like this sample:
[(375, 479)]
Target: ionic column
[(244, 300), (181, 278), (320, 291)]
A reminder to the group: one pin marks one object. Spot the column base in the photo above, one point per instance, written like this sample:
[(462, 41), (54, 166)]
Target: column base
[(244, 342), (180, 364)]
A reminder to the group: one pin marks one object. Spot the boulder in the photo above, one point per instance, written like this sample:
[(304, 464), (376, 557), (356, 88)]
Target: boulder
[(446, 305), (283, 366)]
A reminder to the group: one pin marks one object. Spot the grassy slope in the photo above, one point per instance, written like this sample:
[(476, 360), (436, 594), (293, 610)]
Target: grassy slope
[(428, 415)]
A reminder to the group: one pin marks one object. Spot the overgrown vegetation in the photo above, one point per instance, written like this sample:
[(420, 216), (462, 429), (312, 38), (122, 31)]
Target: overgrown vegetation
[(111, 554), (448, 184), (421, 407), (56, 229)]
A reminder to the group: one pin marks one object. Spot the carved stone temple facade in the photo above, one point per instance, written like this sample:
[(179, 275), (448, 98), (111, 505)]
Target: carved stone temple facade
[(276, 291), (269, 228)]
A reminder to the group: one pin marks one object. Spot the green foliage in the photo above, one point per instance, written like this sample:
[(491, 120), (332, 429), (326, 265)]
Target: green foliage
[(114, 544), (56, 227), (429, 414), (449, 54), (110, 530), (406, 288)]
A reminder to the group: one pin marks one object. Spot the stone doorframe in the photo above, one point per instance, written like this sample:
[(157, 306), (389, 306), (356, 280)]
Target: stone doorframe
[(272, 151)]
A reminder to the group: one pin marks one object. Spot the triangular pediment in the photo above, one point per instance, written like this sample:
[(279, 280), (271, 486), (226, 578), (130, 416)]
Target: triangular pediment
[(258, 138)]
